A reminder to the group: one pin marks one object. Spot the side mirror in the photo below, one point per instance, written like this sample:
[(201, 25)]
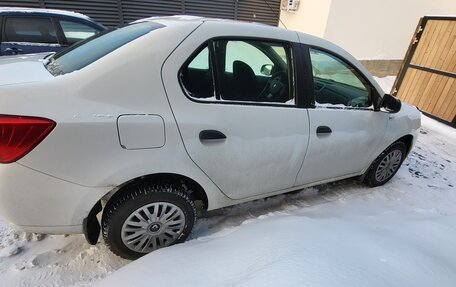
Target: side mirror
[(391, 104), (266, 69)]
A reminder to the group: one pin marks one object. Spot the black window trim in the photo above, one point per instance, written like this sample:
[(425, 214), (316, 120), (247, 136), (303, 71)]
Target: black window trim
[(1, 30), (295, 50), (58, 30), (3, 27), (375, 97)]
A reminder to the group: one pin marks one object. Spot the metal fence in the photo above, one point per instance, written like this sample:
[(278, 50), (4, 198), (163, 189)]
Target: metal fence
[(118, 12)]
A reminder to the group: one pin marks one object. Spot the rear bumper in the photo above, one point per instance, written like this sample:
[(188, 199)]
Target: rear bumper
[(36, 202)]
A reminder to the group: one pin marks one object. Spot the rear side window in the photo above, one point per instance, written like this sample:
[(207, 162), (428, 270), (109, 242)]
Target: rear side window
[(30, 29), (75, 32), (244, 71), (242, 51), (91, 49)]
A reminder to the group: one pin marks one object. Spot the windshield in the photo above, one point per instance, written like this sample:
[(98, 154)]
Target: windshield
[(91, 49)]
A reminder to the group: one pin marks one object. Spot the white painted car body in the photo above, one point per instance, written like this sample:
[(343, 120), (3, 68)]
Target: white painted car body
[(125, 116)]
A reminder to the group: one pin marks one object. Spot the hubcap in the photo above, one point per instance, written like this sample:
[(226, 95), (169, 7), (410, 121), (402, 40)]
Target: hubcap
[(388, 166), (153, 226)]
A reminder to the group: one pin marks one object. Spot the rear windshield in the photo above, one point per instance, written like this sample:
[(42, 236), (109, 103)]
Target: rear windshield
[(91, 49)]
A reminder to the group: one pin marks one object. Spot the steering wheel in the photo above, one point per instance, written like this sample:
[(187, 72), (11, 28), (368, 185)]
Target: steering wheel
[(319, 90), (275, 87), (357, 102)]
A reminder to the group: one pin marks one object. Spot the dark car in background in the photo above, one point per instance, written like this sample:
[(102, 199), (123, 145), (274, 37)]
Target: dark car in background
[(28, 30)]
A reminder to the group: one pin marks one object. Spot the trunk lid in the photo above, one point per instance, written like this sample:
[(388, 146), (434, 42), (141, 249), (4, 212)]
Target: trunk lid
[(23, 69)]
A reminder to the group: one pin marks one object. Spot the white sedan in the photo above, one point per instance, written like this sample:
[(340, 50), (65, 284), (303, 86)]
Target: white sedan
[(153, 121)]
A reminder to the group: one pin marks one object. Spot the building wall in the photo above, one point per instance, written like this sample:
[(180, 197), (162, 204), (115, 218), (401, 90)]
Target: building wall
[(368, 29), (311, 17)]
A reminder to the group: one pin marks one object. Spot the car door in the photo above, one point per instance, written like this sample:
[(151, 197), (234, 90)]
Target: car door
[(28, 34), (246, 140), (345, 130)]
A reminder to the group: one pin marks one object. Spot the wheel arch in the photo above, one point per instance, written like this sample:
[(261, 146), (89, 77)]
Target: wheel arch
[(408, 141), (195, 190), (91, 225)]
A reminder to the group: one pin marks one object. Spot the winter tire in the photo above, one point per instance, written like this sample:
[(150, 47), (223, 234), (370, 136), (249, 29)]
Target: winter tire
[(386, 165), (146, 218)]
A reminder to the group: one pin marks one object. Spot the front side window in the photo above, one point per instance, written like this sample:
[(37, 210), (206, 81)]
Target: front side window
[(75, 32), (30, 30), (244, 71), (337, 83)]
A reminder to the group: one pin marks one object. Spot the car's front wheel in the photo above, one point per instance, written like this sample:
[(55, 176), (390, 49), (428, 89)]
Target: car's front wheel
[(146, 218), (386, 165)]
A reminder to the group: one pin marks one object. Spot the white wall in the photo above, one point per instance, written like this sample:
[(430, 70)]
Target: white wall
[(368, 29), (311, 17)]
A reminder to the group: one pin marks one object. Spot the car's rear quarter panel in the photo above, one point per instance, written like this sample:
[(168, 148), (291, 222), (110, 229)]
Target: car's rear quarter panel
[(84, 147)]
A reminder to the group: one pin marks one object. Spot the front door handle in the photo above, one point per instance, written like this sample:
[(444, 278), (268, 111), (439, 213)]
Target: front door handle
[(211, 135), (323, 130)]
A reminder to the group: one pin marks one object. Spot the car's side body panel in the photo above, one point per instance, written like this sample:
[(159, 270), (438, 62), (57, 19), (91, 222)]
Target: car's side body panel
[(404, 123), (347, 150), (59, 208)]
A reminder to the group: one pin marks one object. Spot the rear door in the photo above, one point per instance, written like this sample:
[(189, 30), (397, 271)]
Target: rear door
[(344, 128), (28, 34), (245, 133)]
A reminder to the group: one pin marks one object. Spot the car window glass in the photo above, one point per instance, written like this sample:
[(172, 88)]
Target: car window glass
[(337, 83), (30, 29), (201, 61), (75, 32), (247, 71), (255, 71), (99, 45), (244, 52), (281, 52), (197, 76)]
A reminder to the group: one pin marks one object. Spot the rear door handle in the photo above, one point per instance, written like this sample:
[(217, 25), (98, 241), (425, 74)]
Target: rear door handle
[(211, 135), (323, 130)]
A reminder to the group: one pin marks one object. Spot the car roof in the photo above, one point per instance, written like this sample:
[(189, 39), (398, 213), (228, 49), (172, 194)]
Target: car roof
[(54, 12), (169, 20), (177, 20)]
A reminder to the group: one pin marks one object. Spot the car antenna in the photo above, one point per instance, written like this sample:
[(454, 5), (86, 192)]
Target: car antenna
[(265, 1)]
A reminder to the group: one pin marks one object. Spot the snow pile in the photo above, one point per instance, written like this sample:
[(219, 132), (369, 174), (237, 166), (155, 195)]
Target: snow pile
[(45, 11), (340, 234), (36, 260)]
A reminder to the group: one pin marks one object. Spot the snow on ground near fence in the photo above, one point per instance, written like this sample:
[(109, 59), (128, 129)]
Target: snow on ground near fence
[(341, 234)]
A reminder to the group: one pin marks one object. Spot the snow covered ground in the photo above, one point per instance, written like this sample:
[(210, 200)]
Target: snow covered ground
[(340, 234)]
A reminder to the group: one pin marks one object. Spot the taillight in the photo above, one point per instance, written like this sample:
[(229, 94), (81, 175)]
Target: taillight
[(19, 135)]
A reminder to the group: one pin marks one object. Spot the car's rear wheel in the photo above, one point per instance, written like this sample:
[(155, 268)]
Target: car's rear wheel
[(146, 218), (386, 165)]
